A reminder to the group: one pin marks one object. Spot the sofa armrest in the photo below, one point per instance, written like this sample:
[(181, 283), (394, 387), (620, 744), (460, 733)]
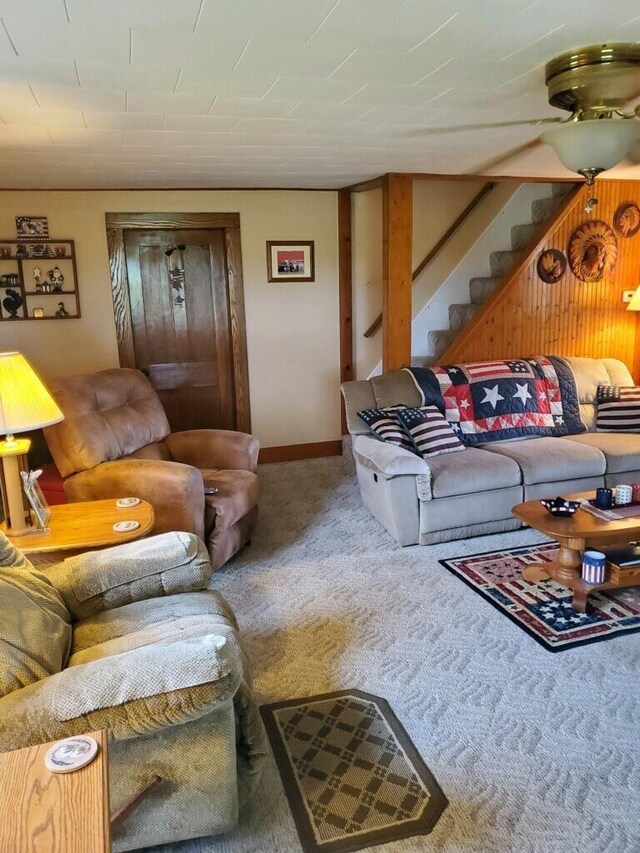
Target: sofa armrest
[(132, 694), (215, 448), (135, 571), (387, 460), (175, 491)]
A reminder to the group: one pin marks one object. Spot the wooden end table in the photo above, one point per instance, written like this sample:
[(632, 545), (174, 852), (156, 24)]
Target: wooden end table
[(84, 526), (575, 535), (54, 812)]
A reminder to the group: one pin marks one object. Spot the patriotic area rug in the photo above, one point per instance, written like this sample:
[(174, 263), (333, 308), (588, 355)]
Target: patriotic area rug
[(544, 609), (352, 776)]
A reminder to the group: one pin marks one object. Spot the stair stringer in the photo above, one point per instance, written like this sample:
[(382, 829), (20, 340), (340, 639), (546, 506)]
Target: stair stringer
[(455, 349), (446, 280), (516, 209)]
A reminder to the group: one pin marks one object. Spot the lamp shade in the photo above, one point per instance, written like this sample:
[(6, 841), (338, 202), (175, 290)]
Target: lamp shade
[(25, 403), (597, 144)]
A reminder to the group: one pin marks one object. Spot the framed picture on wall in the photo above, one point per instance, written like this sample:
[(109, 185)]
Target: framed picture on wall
[(290, 261), (32, 226)]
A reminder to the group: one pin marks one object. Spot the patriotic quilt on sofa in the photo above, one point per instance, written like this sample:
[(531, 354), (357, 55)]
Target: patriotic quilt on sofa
[(497, 400)]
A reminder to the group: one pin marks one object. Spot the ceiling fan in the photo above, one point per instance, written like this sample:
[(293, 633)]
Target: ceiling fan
[(599, 86)]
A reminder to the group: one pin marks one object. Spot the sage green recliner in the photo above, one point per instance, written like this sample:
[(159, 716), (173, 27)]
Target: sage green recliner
[(129, 639)]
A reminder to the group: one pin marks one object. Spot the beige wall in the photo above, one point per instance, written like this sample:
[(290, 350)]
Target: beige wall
[(366, 246), (436, 204), (292, 329)]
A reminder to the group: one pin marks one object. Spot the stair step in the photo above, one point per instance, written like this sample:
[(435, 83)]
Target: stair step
[(542, 208), (439, 340), (502, 262), (561, 190), (480, 288), (459, 315), (522, 235), (423, 361)]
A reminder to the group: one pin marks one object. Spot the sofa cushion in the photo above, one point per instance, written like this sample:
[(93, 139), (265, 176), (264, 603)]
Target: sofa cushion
[(618, 409), (622, 450), (132, 620), (429, 431), (386, 426), (35, 629), (475, 470), (551, 460), (591, 372)]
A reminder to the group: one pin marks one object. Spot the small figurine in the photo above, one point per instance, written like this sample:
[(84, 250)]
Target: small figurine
[(56, 278), (37, 275), (62, 311), (12, 302)]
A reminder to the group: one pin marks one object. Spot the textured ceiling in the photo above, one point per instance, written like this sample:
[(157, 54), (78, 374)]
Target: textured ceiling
[(298, 93)]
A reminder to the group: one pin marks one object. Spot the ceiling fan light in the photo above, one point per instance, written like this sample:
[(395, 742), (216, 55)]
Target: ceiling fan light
[(598, 144)]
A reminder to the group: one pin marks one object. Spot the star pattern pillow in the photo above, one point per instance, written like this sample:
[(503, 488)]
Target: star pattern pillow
[(431, 433), (618, 408), (384, 424)]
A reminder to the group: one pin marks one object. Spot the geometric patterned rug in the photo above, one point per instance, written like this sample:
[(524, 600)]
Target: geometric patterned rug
[(352, 776), (544, 609)]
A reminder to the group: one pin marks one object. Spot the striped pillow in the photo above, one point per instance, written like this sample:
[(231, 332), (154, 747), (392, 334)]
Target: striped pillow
[(385, 425), (432, 434), (618, 408)]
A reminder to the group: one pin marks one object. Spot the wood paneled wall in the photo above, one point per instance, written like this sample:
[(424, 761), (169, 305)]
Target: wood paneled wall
[(527, 317)]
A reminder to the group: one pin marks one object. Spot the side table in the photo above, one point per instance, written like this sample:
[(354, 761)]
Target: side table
[(54, 812), (84, 526)]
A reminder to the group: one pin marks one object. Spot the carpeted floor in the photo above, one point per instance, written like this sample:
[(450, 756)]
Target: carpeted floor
[(536, 752)]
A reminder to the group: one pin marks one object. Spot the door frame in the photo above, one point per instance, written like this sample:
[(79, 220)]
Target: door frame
[(229, 222)]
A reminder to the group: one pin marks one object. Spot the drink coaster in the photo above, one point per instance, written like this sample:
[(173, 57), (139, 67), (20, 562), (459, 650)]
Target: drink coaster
[(71, 754), (126, 526), (124, 503)]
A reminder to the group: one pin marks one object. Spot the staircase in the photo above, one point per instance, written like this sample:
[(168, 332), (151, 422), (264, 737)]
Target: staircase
[(501, 264)]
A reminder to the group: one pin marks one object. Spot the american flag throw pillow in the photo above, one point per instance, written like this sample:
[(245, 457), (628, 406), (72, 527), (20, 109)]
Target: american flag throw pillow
[(432, 434), (384, 424), (618, 408)]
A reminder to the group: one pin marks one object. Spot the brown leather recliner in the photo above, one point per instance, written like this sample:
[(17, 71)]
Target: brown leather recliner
[(115, 441)]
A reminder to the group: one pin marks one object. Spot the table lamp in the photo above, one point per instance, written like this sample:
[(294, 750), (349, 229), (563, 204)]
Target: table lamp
[(25, 404)]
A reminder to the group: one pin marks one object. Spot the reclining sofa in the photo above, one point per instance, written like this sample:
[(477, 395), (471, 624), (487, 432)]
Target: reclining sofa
[(471, 493)]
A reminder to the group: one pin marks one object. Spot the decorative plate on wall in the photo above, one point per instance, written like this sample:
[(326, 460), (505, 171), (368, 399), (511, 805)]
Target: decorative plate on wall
[(551, 265), (626, 219), (593, 251)]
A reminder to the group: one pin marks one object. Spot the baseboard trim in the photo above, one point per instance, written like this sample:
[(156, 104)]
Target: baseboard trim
[(293, 452)]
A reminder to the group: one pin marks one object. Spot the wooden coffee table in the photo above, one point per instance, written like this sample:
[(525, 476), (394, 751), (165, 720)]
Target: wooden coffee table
[(575, 535)]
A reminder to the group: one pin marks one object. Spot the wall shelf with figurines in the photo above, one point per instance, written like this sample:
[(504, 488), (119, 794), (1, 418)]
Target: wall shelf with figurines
[(38, 280)]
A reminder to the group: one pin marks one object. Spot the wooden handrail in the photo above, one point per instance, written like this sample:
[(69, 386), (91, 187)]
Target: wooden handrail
[(373, 328)]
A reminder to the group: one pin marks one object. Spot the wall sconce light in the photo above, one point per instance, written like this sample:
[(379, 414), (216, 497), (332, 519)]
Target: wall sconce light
[(634, 304)]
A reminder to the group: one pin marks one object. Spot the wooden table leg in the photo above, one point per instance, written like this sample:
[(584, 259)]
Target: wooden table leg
[(567, 565), (564, 569), (536, 572), (579, 601)]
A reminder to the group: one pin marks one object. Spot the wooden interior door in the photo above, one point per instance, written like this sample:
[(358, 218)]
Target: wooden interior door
[(185, 348)]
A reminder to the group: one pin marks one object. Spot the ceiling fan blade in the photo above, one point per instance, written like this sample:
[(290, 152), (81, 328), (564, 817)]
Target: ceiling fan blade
[(489, 165), (435, 131)]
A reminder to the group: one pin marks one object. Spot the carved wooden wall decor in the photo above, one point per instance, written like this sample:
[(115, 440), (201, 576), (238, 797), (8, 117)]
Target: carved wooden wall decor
[(593, 251), (551, 265), (626, 219)]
